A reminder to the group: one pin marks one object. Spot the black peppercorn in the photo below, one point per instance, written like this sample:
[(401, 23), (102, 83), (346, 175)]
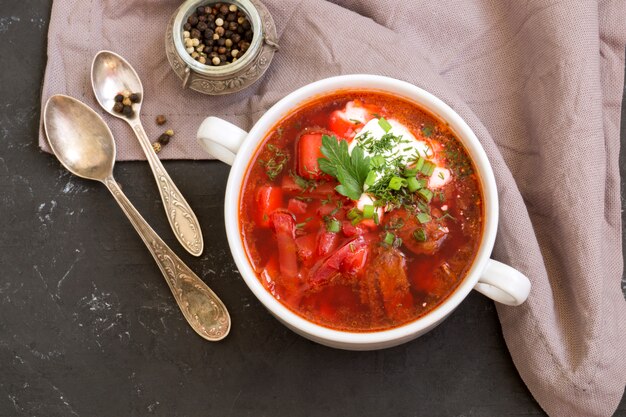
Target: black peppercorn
[(223, 58), (192, 20), (232, 26), (240, 30), (195, 34), (201, 19), (208, 33), (118, 107), (128, 111), (202, 26), (164, 139), (221, 41), (236, 38), (228, 33), (119, 98), (230, 17), (246, 25), (135, 97), (248, 35), (221, 50), (187, 27), (212, 24), (160, 120), (200, 10), (224, 9)]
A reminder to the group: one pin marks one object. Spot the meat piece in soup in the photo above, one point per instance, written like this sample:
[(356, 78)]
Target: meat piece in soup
[(361, 211)]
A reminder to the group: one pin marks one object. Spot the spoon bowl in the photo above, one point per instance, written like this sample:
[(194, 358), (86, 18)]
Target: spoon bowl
[(83, 143), (79, 138), (110, 75)]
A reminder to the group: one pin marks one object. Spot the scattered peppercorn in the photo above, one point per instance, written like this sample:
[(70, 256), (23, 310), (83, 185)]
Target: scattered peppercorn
[(135, 97), (119, 98), (157, 147), (169, 132), (160, 120), (118, 107), (217, 34), (128, 111), (164, 139)]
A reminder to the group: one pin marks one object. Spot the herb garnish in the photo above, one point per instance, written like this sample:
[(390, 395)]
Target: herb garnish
[(274, 166), (350, 168)]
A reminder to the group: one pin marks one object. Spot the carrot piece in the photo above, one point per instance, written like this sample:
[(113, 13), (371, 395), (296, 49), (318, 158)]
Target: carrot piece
[(268, 199)]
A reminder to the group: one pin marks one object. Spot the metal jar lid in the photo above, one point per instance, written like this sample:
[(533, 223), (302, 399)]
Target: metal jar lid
[(229, 78)]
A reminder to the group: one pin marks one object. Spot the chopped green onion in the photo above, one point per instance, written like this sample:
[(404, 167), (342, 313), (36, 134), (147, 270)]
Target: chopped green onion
[(395, 183), (389, 238), (353, 213), (413, 184), (333, 226), (356, 220), (422, 183), (377, 161), (419, 235), (376, 218), (426, 194), (384, 124), (410, 172), (419, 163), (423, 217), (368, 211), (371, 178), (428, 168)]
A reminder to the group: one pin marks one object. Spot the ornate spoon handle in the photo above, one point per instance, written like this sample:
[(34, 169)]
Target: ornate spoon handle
[(182, 219), (204, 311)]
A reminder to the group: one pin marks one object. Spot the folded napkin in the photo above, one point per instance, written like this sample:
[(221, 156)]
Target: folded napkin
[(539, 81)]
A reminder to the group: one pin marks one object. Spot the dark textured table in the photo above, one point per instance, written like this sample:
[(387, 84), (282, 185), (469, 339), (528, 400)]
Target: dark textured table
[(88, 326)]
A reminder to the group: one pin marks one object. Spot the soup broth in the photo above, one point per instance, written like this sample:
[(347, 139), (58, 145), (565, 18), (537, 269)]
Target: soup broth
[(360, 211)]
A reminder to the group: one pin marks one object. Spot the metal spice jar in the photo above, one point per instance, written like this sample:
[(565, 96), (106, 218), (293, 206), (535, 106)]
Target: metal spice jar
[(211, 77)]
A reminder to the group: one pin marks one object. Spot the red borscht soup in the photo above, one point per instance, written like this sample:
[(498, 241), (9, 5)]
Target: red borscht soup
[(360, 211)]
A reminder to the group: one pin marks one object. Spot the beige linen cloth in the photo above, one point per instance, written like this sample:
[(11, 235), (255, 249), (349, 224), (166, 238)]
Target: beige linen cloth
[(539, 81)]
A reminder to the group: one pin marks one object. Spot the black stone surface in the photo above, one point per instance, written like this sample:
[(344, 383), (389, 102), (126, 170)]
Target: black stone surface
[(88, 326)]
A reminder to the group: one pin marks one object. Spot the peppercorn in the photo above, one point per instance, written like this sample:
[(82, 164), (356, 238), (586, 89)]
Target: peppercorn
[(128, 111), (160, 119), (135, 97), (118, 107), (215, 31), (164, 139), (157, 147), (119, 98)]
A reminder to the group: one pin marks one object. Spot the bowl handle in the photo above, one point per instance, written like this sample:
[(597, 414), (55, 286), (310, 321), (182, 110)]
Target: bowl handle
[(220, 138), (503, 284)]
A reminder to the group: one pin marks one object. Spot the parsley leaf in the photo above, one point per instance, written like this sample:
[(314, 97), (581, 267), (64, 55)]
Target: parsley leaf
[(350, 168)]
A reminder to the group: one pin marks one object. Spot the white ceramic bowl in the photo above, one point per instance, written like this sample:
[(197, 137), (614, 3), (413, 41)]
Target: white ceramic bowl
[(236, 147)]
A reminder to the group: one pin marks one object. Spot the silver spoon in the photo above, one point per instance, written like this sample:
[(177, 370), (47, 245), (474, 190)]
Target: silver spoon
[(110, 75), (83, 143)]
